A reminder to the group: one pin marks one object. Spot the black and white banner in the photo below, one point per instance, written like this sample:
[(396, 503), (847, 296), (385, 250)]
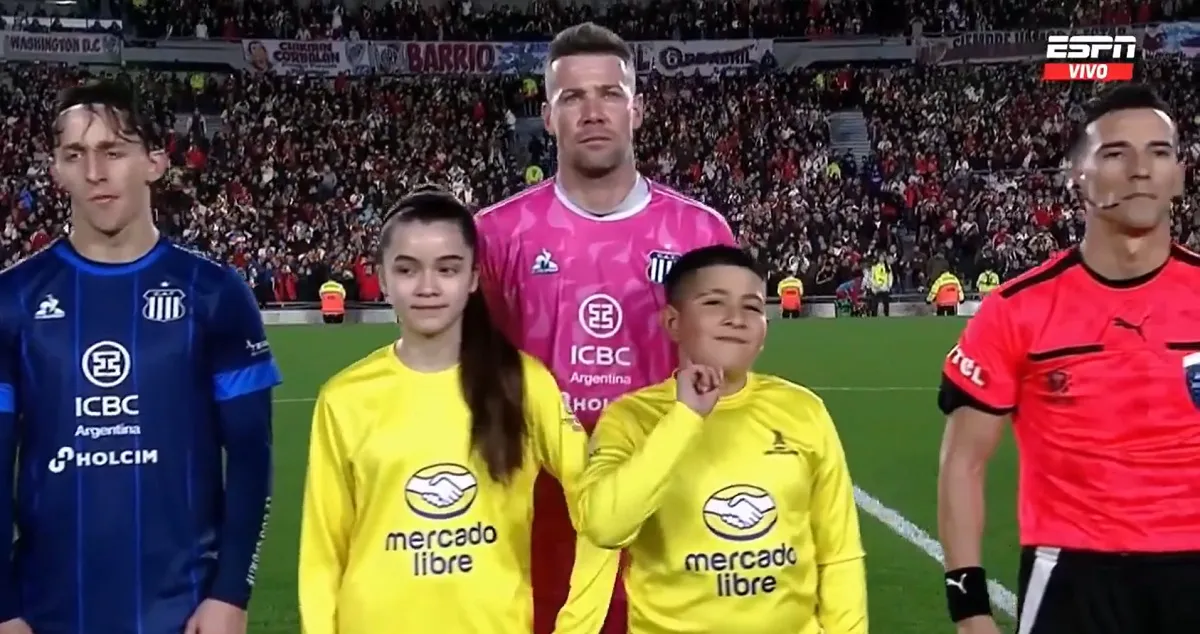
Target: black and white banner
[(703, 57)]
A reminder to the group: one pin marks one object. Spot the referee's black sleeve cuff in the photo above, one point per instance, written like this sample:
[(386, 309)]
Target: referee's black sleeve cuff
[(952, 397)]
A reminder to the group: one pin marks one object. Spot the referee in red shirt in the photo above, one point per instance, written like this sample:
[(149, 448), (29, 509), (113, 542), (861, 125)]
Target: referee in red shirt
[(1095, 356)]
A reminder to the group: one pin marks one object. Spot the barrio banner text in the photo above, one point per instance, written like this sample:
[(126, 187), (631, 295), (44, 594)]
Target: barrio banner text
[(460, 58), (442, 58)]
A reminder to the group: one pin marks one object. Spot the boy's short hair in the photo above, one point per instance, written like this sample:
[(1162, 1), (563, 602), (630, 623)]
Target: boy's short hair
[(697, 260)]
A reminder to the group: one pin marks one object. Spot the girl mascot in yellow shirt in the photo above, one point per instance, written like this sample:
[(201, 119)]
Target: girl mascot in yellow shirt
[(419, 498)]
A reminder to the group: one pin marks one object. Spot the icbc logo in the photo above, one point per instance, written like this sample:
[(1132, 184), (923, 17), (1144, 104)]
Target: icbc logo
[(600, 355), (106, 365), (601, 316)]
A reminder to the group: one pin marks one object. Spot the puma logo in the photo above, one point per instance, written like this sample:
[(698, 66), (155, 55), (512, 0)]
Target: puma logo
[(960, 584), (1121, 322)]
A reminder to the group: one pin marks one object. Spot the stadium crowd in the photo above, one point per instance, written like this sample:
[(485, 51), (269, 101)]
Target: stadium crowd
[(654, 19), (290, 188), (288, 179)]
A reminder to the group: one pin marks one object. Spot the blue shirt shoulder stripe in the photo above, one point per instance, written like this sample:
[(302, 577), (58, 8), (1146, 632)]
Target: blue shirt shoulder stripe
[(253, 378)]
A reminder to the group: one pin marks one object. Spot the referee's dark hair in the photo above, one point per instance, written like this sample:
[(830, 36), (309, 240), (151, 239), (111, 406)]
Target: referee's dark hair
[(491, 374), (696, 260), (1133, 96), (117, 103)]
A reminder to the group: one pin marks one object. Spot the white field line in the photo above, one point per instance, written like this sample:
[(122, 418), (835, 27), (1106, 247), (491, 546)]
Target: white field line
[(1002, 597)]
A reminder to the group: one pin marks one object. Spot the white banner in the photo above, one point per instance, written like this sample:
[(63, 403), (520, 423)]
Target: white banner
[(99, 48), (704, 57), (1177, 38), (316, 57)]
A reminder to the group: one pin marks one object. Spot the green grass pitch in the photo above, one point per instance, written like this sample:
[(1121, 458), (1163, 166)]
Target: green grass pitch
[(878, 377)]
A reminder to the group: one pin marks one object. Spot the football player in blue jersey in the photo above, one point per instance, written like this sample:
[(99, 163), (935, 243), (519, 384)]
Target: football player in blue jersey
[(135, 406)]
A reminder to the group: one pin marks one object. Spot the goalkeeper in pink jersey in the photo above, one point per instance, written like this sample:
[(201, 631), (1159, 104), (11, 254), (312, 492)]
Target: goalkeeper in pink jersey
[(573, 269)]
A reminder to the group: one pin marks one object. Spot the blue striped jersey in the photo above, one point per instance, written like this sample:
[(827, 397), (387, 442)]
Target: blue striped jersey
[(135, 419)]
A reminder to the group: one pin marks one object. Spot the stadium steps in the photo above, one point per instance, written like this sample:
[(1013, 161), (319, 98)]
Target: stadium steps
[(848, 133), (525, 130), (209, 124)]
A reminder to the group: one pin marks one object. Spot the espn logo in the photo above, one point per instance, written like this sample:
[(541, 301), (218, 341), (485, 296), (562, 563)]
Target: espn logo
[(1094, 53)]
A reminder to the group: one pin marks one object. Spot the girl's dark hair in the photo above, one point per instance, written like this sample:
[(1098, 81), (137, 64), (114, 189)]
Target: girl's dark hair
[(491, 374)]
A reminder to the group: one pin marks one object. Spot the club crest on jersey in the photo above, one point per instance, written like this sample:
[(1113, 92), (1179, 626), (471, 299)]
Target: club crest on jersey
[(1191, 376), (164, 304), (660, 264)]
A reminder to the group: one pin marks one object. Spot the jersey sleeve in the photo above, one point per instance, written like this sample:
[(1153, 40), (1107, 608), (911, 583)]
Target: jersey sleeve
[(982, 370), (629, 470), (326, 522), (559, 439), (10, 360), (241, 357), (561, 445), (243, 373), (842, 576)]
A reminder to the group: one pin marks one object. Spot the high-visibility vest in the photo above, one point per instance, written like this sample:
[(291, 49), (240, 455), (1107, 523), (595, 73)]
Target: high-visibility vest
[(533, 175), (790, 290), (333, 298), (946, 291), (987, 282), (880, 276)]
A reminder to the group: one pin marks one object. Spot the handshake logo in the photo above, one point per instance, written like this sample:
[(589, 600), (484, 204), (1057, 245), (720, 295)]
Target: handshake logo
[(441, 491), (740, 512)]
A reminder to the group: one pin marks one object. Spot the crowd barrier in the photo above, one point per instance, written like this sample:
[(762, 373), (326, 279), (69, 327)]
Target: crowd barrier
[(307, 314)]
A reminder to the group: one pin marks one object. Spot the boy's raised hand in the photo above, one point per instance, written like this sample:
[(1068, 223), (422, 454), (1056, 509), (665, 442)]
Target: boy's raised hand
[(698, 387)]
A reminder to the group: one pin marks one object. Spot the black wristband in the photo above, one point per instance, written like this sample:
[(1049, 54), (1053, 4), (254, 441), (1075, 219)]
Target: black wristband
[(967, 593)]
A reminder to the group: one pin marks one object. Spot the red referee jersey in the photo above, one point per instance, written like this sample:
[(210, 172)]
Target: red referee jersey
[(1102, 380)]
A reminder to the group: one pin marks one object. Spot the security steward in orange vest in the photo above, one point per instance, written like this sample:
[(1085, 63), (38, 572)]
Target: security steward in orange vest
[(333, 302), (946, 294), (790, 290)]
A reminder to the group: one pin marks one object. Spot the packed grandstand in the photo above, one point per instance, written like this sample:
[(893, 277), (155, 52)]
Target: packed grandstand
[(903, 148)]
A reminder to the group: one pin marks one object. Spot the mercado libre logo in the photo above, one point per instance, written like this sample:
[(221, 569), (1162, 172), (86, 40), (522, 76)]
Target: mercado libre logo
[(740, 512), (742, 566), (441, 491)]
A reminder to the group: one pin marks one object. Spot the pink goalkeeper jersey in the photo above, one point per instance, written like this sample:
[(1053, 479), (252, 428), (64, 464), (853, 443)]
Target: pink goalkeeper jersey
[(583, 292)]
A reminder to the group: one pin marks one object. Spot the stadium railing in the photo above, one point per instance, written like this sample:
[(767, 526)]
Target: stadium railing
[(814, 299), (817, 307)]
